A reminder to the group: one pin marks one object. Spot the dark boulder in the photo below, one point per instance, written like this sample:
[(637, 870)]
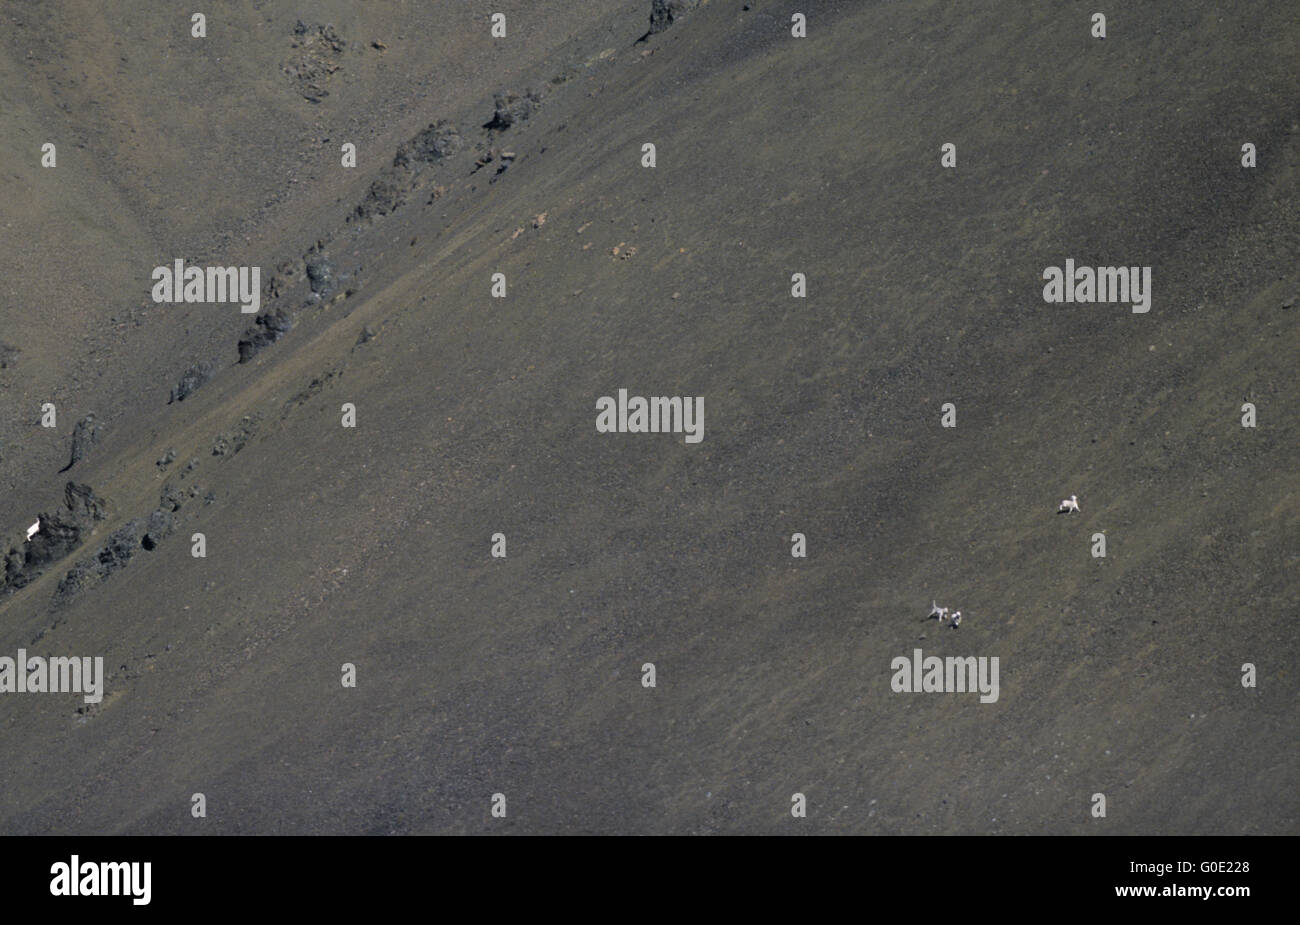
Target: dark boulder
[(320, 273), (267, 328), (160, 526)]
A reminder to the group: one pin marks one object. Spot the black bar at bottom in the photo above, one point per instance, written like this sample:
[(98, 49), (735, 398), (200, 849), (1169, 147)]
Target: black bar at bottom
[(622, 876)]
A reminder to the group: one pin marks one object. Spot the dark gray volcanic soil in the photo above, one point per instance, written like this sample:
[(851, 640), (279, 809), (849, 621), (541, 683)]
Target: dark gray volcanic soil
[(475, 415)]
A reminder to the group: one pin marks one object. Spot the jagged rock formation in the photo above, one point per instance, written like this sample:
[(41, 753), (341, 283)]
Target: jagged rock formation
[(84, 437), (60, 533), (439, 141), (113, 556)]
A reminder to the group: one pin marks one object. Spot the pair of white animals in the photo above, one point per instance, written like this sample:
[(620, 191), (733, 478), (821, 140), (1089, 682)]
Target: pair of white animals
[(1068, 506), (942, 614)]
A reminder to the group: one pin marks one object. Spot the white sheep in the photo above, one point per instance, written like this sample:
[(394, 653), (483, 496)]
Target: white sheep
[(1069, 506), (33, 530), (937, 611)]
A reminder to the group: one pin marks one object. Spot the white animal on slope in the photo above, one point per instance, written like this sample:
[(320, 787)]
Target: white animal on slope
[(1069, 505), (33, 529), (937, 611), (956, 619)]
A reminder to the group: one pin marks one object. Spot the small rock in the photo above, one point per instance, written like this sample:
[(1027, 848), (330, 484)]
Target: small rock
[(171, 498)]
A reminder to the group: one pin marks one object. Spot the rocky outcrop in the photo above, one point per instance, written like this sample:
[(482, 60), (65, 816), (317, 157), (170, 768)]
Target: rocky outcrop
[(511, 109), (190, 381), (385, 195), (159, 526), (267, 328), (440, 140), (60, 533), (663, 13), (320, 273), (114, 555), (84, 437)]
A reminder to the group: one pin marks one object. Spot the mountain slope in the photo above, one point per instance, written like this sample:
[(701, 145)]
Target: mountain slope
[(371, 546)]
